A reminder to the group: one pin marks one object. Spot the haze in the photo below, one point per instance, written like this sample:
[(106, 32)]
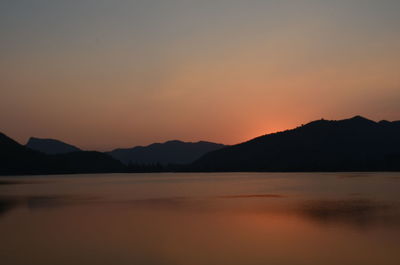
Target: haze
[(106, 74)]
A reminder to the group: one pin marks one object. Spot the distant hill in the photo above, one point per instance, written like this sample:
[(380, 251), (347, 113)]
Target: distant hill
[(322, 145), (18, 159), (50, 146), (355, 144), (15, 158), (171, 152), (87, 162)]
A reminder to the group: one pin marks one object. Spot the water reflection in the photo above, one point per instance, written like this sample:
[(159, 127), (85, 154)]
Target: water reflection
[(7, 204), (240, 196), (243, 220), (172, 203), (356, 212), (355, 175), (15, 182)]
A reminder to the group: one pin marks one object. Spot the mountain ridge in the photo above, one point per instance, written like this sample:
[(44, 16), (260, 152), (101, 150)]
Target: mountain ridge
[(169, 152), (17, 159), (50, 146), (322, 145), (354, 144)]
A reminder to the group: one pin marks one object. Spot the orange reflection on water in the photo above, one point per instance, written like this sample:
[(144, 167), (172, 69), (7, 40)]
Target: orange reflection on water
[(270, 225)]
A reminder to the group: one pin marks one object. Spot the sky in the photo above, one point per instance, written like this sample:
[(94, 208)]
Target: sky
[(105, 74)]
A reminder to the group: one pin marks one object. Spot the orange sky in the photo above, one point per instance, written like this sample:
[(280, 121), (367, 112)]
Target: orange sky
[(101, 74)]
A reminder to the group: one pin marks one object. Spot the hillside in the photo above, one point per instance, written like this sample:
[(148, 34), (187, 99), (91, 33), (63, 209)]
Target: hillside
[(18, 159), (322, 145), (50, 146), (171, 152)]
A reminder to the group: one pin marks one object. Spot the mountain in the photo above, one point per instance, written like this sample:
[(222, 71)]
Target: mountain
[(15, 158), (50, 146), (87, 162), (351, 144), (355, 144), (18, 159), (171, 152)]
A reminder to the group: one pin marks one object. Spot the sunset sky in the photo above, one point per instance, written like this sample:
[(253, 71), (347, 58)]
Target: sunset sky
[(105, 74)]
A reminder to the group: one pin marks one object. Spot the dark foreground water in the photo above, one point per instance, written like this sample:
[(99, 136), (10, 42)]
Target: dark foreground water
[(201, 219)]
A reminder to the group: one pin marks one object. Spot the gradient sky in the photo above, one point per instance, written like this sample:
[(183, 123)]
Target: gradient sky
[(106, 74)]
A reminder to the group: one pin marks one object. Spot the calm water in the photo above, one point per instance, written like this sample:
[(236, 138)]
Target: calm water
[(201, 219)]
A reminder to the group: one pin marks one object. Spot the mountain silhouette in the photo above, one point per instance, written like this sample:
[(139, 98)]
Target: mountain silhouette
[(171, 152), (355, 144), (15, 158), (323, 145), (87, 162), (18, 159), (50, 146)]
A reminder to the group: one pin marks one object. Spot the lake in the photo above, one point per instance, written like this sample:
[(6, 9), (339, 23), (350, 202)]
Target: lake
[(201, 219)]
